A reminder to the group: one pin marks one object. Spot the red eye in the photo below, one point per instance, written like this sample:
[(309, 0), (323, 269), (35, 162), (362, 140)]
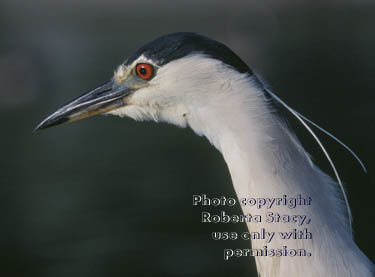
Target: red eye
[(145, 70)]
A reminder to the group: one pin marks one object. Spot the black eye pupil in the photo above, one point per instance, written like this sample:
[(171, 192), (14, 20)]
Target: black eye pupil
[(143, 71)]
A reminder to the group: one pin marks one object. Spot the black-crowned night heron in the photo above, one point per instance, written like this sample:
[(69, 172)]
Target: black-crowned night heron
[(190, 80)]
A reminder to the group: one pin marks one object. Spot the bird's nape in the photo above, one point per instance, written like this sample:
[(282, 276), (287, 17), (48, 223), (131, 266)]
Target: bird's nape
[(190, 80), (130, 75)]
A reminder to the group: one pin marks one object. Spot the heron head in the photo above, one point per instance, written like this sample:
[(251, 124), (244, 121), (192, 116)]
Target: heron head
[(161, 81)]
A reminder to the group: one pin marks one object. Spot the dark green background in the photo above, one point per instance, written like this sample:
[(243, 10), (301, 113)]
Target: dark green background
[(112, 197)]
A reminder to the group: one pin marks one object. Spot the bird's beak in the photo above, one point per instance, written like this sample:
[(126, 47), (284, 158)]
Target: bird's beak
[(105, 98)]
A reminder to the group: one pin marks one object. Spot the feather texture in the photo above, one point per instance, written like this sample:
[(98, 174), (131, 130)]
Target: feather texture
[(264, 158)]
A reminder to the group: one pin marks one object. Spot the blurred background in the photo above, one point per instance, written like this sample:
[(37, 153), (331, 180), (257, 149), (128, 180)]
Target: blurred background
[(112, 197)]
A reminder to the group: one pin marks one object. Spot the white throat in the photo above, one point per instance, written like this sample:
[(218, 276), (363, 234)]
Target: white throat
[(266, 160)]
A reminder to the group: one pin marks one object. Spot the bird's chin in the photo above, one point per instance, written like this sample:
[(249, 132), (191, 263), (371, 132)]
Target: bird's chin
[(134, 112), (172, 115), (121, 112)]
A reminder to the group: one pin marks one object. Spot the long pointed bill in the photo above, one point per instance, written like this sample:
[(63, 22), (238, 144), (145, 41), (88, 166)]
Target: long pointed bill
[(105, 98)]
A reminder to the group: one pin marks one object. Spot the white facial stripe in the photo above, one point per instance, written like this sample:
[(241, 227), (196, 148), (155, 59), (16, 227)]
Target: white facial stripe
[(121, 74), (124, 71), (142, 59)]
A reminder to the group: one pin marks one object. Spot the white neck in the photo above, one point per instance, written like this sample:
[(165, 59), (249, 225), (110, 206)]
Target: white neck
[(265, 160)]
